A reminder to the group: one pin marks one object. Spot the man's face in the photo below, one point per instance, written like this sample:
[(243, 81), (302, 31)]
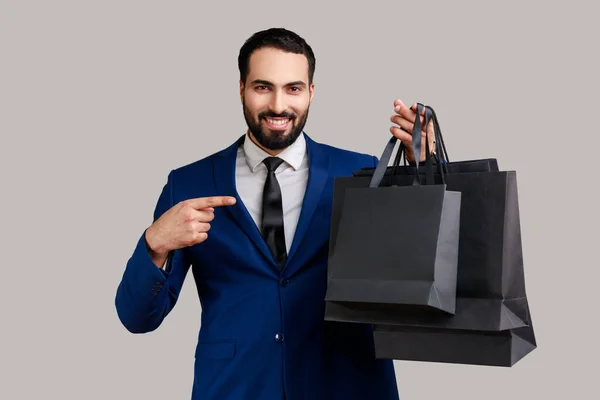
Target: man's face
[(276, 97)]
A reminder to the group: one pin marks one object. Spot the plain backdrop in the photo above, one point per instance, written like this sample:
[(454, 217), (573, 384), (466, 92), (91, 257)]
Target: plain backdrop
[(99, 100)]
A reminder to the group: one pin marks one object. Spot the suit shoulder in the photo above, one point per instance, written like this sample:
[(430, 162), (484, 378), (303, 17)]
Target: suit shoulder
[(194, 171)]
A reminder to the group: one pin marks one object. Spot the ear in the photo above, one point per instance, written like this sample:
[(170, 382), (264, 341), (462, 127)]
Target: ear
[(241, 90), (312, 92)]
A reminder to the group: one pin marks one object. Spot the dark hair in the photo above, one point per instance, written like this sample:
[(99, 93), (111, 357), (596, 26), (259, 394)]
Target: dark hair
[(279, 38)]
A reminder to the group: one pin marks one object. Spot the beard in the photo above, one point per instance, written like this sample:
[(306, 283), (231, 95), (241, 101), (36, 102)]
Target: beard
[(274, 139)]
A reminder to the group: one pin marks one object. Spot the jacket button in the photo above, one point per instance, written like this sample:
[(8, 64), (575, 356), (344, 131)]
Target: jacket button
[(284, 282), (279, 338)]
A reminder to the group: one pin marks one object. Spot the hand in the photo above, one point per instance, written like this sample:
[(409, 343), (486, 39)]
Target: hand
[(185, 224), (405, 118)]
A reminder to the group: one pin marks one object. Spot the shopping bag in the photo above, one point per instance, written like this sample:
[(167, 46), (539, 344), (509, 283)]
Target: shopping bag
[(395, 244), (492, 321)]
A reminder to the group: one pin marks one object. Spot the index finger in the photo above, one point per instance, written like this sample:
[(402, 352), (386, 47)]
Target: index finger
[(397, 104), (200, 203)]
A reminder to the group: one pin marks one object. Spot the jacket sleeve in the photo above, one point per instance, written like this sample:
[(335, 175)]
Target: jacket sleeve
[(146, 293)]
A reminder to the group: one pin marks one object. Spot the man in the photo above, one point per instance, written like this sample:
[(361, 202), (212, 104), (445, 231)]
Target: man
[(253, 222)]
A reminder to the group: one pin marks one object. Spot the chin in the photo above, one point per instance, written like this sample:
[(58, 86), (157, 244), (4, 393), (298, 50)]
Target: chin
[(276, 140)]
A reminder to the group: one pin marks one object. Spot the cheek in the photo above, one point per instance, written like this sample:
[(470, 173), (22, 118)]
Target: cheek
[(255, 104), (300, 104), (299, 110)]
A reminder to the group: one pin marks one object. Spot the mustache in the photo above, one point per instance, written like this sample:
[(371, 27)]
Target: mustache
[(273, 115)]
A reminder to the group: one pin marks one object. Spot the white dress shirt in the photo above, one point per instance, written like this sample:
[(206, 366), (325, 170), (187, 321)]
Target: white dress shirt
[(292, 175)]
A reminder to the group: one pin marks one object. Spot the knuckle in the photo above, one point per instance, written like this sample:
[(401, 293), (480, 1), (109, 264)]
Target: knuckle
[(195, 238), (189, 215), (189, 240), (187, 209)]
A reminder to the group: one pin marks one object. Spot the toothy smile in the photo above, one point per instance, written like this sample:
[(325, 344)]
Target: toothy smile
[(277, 123)]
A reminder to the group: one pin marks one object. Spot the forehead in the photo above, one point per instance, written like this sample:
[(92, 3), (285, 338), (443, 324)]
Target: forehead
[(277, 66)]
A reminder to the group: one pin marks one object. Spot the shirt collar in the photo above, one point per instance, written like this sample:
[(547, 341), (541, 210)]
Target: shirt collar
[(293, 154)]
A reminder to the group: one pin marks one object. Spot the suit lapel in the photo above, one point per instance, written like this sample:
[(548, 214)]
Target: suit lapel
[(224, 175), (318, 172)]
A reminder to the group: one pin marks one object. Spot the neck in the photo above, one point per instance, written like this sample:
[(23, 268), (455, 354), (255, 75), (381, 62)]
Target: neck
[(271, 152)]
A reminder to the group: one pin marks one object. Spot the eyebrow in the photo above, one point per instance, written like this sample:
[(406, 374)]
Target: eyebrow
[(263, 82)]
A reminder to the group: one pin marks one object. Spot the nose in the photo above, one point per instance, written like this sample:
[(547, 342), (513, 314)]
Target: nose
[(278, 105)]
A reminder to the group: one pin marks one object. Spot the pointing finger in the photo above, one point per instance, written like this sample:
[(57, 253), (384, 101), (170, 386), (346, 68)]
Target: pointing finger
[(200, 203)]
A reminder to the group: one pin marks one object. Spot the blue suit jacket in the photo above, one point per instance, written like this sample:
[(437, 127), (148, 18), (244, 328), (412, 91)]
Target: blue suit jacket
[(262, 330)]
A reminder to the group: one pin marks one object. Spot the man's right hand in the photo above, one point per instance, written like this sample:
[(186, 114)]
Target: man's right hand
[(185, 224)]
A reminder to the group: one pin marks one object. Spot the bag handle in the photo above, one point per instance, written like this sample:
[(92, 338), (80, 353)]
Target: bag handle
[(416, 145), (440, 146), (441, 153)]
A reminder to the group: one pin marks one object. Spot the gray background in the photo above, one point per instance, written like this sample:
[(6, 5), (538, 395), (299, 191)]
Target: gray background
[(99, 100)]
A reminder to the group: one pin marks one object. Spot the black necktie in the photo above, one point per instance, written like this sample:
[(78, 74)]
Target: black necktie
[(272, 213)]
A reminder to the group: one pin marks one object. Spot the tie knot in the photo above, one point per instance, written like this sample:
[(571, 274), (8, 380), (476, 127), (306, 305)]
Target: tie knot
[(272, 163)]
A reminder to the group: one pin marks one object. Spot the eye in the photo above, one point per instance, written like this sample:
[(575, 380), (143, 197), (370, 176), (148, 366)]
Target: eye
[(295, 89), (262, 87)]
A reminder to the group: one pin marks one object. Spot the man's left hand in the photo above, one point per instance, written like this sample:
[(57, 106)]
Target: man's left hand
[(405, 118)]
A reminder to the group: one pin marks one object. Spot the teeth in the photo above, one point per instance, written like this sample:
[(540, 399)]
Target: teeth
[(277, 121)]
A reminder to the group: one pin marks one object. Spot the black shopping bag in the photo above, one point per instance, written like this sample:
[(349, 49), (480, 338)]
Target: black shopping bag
[(492, 322), (395, 245)]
